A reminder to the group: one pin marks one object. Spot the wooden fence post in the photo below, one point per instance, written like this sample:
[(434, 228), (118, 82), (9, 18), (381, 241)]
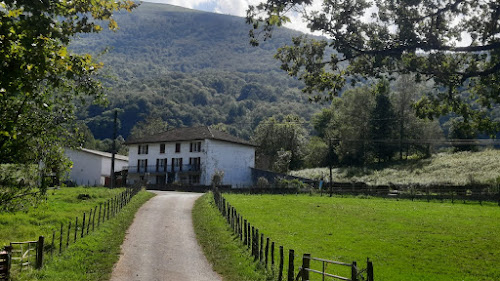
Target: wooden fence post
[(99, 217), (39, 252), (88, 222), (107, 212), (369, 270), (248, 235), (256, 244), (76, 227), (252, 241), (306, 262), (282, 261), (93, 218), (291, 270), (267, 251), (69, 231), (61, 239), (83, 225), (354, 272), (272, 254), (261, 248), (245, 232)]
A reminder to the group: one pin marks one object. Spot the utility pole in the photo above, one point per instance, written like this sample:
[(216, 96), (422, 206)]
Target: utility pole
[(330, 160), (113, 152)]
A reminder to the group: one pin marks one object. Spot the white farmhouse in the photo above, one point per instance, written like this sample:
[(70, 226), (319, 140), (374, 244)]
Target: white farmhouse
[(92, 167), (191, 156)]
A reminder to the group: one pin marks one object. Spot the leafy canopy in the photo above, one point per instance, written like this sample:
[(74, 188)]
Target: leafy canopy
[(41, 81), (39, 77), (455, 43)]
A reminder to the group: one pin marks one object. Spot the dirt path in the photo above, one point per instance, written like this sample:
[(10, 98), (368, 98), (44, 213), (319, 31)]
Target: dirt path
[(161, 244)]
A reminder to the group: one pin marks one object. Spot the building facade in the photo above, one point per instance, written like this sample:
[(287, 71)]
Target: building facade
[(92, 167), (191, 156)]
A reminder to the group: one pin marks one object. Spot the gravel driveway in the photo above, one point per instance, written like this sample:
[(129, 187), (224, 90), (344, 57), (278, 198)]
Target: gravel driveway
[(161, 244)]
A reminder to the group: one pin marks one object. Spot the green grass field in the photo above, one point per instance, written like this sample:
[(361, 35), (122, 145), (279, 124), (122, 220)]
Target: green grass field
[(405, 240), (61, 206), (90, 258), (454, 168)]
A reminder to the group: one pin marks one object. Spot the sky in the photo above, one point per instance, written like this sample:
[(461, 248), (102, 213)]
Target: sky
[(236, 8)]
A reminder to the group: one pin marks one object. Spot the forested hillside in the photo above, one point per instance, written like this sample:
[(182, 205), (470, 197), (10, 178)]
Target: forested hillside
[(189, 68)]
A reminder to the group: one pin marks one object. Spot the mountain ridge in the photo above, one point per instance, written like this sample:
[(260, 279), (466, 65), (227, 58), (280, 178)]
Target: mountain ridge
[(190, 68)]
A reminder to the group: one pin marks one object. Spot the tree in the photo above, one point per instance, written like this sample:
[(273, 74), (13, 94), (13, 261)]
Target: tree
[(420, 131), (384, 38), (150, 126), (280, 139), (40, 79), (382, 121)]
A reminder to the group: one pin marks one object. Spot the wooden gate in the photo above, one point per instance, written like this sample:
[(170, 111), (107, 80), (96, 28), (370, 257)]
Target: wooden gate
[(356, 273), (29, 253)]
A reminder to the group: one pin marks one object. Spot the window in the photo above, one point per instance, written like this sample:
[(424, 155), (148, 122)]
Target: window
[(177, 164), (194, 163), (177, 147), (143, 149), (142, 165), (195, 146), (161, 165), (162, 148)]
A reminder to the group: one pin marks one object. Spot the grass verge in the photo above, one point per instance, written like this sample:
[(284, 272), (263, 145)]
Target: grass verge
[(222, 249), (93, 257), (405, 240)]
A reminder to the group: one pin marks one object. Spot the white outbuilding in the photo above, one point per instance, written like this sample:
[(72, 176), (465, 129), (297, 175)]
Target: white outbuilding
[(92, 167), (191, 156)]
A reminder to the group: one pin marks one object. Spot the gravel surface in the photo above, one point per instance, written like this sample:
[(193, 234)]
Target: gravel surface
[(161, 243)]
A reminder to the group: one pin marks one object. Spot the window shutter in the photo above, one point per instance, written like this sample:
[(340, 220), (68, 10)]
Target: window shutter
[(138, 165), (138, 150), (147, 147), (146, 165), (191, 147), (180, 164)]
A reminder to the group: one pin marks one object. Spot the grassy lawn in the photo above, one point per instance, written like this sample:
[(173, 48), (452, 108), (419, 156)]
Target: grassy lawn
[(405, 240), (454, 168), (90, 258), (222, 249)]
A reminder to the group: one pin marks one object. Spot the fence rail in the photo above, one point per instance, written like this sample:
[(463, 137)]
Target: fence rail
[(104, 211), (260, 247)]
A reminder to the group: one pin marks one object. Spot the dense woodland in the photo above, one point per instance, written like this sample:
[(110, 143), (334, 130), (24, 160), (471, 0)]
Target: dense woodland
[(189, 68)]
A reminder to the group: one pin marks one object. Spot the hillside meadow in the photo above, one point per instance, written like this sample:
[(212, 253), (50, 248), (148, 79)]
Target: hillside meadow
[(442, 168), (405, 240)]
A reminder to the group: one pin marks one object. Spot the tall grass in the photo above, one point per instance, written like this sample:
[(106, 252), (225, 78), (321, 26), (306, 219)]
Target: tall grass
[(444, 168)]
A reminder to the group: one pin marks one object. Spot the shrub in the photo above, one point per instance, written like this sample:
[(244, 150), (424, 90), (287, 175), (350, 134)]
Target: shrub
[(291, 184), (217, 177), (262, 182)]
